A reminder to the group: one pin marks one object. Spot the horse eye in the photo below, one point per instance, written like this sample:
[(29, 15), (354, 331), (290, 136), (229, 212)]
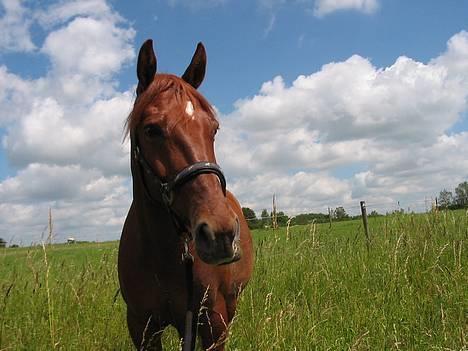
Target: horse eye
[(153, 131)]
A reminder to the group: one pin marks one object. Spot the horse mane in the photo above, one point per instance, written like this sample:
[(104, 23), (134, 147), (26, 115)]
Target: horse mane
[(163, 82)]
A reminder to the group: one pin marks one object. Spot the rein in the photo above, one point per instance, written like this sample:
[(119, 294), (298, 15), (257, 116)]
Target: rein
[(165, 197)]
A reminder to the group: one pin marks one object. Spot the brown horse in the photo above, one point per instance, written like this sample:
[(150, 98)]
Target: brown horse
[(179, 194)]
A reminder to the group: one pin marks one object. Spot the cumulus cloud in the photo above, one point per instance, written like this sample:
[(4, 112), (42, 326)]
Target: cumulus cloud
[(66, 10), (54, 134), (89, 46), (386, 103), (393, 121), (325, 7), (64, 130)]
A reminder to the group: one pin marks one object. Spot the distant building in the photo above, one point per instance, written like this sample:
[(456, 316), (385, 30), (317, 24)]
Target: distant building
[(71, 240)]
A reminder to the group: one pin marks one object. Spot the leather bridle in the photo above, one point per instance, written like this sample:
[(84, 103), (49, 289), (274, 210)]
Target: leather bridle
[(166, 189)]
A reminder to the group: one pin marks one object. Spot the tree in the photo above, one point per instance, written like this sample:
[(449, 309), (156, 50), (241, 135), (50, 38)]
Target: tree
[(374, 213), (282, 218), (2, 242), (461, 194), (445, 199), (265, 217), (249, 214), (306, 218), (340, 213), (251, 218)]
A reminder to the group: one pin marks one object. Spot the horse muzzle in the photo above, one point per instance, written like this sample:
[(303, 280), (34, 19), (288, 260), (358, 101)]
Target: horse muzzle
[(218, 248)]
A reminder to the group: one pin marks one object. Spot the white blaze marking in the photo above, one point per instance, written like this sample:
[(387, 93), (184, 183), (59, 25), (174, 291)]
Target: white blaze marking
[(189, 108)]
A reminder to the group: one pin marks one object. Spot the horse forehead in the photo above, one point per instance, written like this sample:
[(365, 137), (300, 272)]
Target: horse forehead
[(189, 110)]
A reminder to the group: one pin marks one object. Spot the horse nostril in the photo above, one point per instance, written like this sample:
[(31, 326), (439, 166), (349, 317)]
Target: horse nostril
[(204, 236)]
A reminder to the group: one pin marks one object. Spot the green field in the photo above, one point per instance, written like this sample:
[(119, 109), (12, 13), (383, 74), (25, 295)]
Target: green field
[(319, 289)]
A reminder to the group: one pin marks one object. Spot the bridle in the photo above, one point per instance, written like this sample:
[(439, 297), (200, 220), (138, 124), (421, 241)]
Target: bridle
[(165, 197), (166, 189)]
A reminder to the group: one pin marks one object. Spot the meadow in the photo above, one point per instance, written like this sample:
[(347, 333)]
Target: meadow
[(314, 288)]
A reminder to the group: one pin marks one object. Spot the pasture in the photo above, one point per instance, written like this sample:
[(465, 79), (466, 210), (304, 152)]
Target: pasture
[(319, 289)]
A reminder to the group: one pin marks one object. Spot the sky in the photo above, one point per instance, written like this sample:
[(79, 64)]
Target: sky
[(322, 102)]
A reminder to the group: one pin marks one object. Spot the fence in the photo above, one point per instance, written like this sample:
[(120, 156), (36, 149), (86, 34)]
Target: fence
[(380, 208)]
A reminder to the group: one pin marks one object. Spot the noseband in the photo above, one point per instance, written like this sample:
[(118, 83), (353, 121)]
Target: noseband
[(166, 189)]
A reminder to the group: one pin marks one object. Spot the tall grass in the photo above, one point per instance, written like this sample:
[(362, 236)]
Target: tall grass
[(318, 289)]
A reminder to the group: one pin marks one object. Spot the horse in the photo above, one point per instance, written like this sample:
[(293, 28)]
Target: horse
[(181, 212)]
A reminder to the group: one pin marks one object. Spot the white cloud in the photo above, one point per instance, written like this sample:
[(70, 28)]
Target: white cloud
[(90, 47), (13, 93), (65, 10), (297, 193), (55, 134), (325, 7), (14, 26), (39, 182), (395, 122), (84, 203), (455, 58), (65, 129)]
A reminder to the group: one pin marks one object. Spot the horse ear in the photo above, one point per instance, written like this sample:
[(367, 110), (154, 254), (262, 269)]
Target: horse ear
[(195, 72), (146, 67)]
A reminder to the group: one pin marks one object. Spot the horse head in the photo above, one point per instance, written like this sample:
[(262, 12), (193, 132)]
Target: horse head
[(172, 129)]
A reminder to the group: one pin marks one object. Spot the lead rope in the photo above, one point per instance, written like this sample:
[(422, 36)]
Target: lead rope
[(189, 337)]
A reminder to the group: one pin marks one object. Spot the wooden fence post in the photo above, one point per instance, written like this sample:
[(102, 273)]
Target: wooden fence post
[(330, 216), (364, 221)]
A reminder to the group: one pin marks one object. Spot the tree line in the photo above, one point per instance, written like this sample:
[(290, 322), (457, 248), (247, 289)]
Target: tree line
[(454, 200), (265, 219)]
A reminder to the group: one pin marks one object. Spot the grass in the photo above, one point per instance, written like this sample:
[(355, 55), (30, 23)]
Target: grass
[(319, 290)]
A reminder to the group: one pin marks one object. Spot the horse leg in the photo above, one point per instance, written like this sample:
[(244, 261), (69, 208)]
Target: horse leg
[(214, 323), (145, 332)]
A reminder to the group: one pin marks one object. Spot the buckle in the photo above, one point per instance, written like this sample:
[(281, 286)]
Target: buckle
[(186, 255), (166, 194)]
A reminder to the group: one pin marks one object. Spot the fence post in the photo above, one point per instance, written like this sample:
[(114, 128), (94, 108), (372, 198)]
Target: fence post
[(364, 221), (330, 216)]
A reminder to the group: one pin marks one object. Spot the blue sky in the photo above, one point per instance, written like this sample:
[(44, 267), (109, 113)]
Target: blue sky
[(322, 102)]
